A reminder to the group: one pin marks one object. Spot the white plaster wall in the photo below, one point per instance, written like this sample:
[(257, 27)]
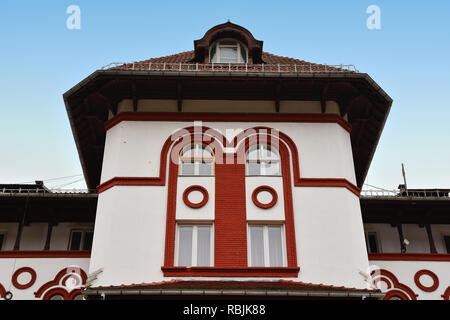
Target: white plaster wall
[(276, 213), (133, 148), (330, 237), (46, 270), (183, 212), (405, 271)]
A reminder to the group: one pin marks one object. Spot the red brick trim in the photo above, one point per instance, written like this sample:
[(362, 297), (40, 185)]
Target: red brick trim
[(290, 272), (409, 257), (228, 117), (195, 205), (18, 272), (266, 205), (44, 254), (435, 278)]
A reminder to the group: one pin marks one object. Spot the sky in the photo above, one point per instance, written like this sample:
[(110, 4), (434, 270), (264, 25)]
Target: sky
[(41, 58)]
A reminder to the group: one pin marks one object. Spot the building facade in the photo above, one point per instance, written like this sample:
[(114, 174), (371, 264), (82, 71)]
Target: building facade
[(225, 170)]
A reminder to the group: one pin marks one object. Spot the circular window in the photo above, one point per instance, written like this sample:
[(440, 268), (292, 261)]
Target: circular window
[(264, 197), (195, 197)]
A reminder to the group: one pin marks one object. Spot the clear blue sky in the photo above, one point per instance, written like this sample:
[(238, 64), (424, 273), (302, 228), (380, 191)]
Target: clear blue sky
[(40, 59)]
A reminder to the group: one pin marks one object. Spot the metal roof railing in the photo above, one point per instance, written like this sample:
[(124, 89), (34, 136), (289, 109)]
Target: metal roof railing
[(407, 193), (45, 191), (229, 67)]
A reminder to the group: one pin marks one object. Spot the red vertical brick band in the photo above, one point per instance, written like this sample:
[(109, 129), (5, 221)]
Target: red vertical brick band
[(230, 221)]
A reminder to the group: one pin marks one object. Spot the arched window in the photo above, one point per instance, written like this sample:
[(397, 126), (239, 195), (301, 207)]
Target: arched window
[(263, 160), (196, 160), (228, 51)]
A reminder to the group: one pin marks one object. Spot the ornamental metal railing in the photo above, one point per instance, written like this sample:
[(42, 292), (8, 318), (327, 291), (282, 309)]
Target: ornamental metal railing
[(45, 191), (230, 67), (406, 193)]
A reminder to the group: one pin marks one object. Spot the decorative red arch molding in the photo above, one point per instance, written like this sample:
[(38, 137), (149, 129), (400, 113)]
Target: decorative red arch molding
[(213, 134), (396, 289), (435, 278), (18, 272), (58, 284), (2, 291), (230, 219), (446, 295), (195, 205), (264, 205)]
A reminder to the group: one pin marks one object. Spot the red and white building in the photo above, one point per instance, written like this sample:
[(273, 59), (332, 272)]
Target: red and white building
[(225, 170)]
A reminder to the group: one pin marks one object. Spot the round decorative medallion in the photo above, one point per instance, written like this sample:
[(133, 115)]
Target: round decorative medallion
[(422, 287), (16, 275), (264, 189), (191, 204)]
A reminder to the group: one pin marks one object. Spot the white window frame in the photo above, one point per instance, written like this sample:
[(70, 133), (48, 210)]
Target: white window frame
[(239, 45), (83, 236), (194, 242), (261, 160), (196, 159), (266, 243)]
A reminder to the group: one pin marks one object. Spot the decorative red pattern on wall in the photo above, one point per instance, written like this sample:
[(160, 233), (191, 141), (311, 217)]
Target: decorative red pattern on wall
[(59, 284), (264, 205), (195, 205), (446, 295), (2, 291), (298, 180), (230, 217), (396, 289), (18, 272), (422, 287)]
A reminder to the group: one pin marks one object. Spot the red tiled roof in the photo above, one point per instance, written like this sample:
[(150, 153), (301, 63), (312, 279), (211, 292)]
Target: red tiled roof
[(268, 58), (233, 285)]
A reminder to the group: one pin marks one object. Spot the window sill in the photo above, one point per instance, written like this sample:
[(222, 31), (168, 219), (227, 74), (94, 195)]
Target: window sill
[(284, 272)]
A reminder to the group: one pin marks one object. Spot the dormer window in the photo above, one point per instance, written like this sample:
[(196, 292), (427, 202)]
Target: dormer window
[(228, 51)]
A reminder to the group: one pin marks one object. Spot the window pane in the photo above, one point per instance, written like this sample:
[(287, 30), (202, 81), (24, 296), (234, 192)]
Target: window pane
[(2, 238), (57, 297), (187, 168), (254, 168), (373, 243), (189, 152), (87, 244), (75, 241), (447, 243), (228, 55), (185, 246), (275, 247), (204, 246), (271, 168), (212, 55), (205, 168), (257, 246), (253, 154)]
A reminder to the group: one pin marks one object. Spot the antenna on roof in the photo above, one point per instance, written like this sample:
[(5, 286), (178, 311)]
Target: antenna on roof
[(404, 178)]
